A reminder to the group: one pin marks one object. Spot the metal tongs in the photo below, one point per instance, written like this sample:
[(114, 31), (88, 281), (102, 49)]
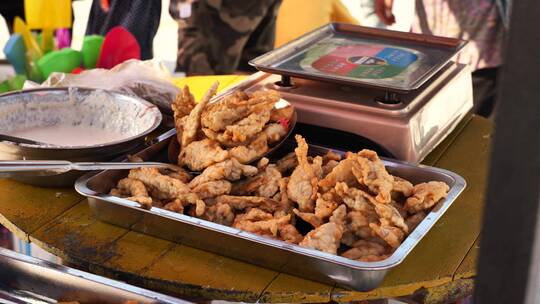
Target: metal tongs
[(54, 167)]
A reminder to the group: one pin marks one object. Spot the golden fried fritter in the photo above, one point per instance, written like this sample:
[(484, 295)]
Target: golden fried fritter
[(289, 234), (219, 115), (402, 186), (163, 186), (244, 202), (274, 132), (389, 233), (362, 249), (135, 191), (369, 170), (426, 195), (302, 187), (253, 151), (212, 189), (201, 154), (229, 169), (327, 237), (178, 204), (193, 122)]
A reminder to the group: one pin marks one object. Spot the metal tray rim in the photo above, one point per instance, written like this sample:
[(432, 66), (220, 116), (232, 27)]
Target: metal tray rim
[(88, 276), (81, 186)]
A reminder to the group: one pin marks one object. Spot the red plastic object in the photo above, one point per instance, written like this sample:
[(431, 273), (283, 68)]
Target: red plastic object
[(119, 45), (77, 70)]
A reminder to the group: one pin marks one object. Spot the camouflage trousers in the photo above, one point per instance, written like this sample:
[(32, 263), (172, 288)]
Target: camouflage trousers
[(221, 36)]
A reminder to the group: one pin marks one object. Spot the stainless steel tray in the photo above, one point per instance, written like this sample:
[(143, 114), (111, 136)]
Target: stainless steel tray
[(356, 55), (25, 279), (266, 252)]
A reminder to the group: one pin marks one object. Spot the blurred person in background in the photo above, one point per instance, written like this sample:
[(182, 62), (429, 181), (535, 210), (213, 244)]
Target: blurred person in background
[(221, 36), (139, 17), (482, 22), (315, 13)]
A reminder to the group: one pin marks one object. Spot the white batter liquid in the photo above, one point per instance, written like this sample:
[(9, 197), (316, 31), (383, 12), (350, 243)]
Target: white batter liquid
[(63, 135)]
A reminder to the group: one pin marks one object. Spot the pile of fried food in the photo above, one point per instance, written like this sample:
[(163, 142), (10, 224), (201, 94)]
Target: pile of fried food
[(352, 205), (241, 126)]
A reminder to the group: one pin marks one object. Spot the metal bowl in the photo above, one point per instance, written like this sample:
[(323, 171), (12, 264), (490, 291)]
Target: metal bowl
[(130, 116)]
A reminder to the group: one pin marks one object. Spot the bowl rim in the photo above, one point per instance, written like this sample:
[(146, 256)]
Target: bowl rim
[(158, 117)]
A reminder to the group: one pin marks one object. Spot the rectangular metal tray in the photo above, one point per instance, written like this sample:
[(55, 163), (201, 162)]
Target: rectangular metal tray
[(252, 248), (25, 279), (341, 53)]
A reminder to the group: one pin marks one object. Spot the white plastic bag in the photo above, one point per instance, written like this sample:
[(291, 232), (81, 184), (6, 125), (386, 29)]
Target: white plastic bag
[(149, 80)]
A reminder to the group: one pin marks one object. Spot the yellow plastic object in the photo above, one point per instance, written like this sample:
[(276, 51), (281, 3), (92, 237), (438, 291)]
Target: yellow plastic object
[(32, 47), (47, 42), (50, 14), (198, 85), (297, 17)]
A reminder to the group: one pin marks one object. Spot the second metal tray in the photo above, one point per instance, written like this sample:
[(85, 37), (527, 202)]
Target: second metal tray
[(252, 248)]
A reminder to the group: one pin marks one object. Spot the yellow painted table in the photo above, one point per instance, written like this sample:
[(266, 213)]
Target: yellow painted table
[(440, 268)]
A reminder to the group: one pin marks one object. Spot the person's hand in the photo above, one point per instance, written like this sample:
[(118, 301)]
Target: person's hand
[(383, 9)]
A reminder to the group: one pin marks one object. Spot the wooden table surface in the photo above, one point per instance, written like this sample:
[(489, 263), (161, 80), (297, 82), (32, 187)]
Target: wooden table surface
[(440, 268)]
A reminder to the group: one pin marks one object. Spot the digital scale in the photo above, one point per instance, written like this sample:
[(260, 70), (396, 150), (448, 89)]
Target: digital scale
[(399, 90)]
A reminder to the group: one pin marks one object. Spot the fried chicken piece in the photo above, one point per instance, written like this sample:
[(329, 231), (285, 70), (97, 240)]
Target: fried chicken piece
[(426, 195), (354, 198), (358, 223), (399, 207), (219, 213), (402, 186), (260, 222), (363, 249), (274, 132), (323, 209), (256, 149), (329, 166), (199, 155), (284, 113), (302, 187), (225, 112), (136, 191), (327, 236), (193, 122), (183, 200), (163, 186), (342, 172), (387, 211), (264, 184), (286, 205), (392, 235), (182, 106), (414, 220), (289, 234), (117, 192), (262, 163), (250, 125), (183, 103), (311, 218), (178, 173), (369, 170), (316, 165), (288, 162), (212, 189), (244, 202), (229, 169)]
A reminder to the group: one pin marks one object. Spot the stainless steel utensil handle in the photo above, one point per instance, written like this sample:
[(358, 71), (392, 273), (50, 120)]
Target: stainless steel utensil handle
[(60, 166)]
